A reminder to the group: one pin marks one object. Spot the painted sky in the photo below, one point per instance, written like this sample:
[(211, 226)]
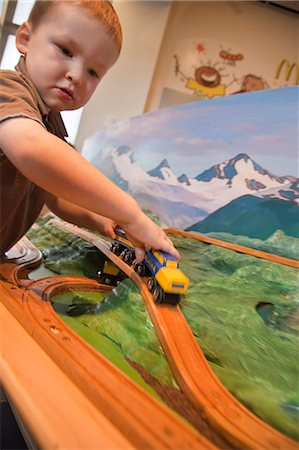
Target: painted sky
[(197, 135)]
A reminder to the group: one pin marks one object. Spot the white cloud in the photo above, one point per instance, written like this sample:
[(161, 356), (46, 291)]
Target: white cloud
[(271, 138)]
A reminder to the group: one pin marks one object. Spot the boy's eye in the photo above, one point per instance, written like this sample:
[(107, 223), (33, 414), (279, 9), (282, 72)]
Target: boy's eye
[(66, 51), (93, 73)]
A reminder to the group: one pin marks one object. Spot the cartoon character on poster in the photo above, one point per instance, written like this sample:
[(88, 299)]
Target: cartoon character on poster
[(208, 78), (207, 81)]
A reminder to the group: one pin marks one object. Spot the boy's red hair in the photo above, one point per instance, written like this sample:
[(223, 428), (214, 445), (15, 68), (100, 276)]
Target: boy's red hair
[(101, 9)]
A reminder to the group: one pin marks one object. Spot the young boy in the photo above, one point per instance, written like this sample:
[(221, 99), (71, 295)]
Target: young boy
[(67, 47)]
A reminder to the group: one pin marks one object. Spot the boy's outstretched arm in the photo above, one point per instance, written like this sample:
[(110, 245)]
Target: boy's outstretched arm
[(57, 168), (80, 216)]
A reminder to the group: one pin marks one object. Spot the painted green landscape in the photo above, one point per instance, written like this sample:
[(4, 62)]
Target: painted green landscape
[(278, 243), (243, 311)]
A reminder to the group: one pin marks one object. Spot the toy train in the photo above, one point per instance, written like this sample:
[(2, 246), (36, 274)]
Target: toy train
[(166, 281)]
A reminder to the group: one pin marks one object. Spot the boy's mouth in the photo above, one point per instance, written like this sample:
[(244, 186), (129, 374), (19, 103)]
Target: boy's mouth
[(66, 93)]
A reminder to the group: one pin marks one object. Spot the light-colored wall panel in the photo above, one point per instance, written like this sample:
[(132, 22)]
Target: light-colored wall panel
[(123, 92)]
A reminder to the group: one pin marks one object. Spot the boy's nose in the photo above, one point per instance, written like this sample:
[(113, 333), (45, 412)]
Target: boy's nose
[(75, 76)]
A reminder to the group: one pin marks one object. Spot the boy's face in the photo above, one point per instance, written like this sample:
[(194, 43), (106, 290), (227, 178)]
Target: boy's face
[(67, 55)]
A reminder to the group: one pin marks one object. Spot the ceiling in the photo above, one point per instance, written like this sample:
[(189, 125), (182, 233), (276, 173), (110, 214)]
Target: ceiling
[(291, 5)]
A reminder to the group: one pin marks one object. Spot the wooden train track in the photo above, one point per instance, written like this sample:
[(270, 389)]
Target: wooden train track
[(53, 411), (236, 248), (191, 369), (138, 420)]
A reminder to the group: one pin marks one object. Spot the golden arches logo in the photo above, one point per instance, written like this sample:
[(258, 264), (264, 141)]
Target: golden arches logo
[(288, 69)]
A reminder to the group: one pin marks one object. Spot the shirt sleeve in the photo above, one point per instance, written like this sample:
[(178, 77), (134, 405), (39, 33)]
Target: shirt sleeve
[(17, 98)]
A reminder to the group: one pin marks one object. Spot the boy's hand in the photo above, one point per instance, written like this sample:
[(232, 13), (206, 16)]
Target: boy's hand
[(145, 234), (106, 226)]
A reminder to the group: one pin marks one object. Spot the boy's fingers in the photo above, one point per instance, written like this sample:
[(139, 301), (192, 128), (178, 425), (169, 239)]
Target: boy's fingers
[(163, 243), (139, 253), (110, 233), (169, 247), (109, 228)]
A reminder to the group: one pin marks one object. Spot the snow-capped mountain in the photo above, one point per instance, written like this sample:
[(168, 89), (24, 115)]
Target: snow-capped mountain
[(163, 171), (236, 177), (289, 192), (229, 169), (182, 201), (184, 179)]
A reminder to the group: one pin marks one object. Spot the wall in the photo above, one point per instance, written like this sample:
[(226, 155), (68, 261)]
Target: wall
[(124, 90), (198, 31)]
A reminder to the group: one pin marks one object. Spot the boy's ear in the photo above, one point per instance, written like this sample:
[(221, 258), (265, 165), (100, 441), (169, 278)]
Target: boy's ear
[(23, 37)]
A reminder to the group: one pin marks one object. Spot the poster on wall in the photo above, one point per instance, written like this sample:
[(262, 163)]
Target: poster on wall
[(208, 69), (226, 167)]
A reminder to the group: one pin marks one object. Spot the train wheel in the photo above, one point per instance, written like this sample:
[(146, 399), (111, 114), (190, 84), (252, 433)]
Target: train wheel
[(158, 294), (123, 254), (116, 249), (139, 268), (151, 283), (128, 257), (113, 248)]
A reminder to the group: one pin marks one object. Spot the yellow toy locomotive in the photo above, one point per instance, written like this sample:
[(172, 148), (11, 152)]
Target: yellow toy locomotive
[(166, 281)]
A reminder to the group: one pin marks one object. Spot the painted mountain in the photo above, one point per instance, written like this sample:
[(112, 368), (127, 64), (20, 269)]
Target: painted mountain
[(253, 217), (236, 196)]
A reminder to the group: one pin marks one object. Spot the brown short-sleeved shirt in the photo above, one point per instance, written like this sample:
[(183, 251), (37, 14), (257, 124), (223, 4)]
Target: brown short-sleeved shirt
[(21, 200)]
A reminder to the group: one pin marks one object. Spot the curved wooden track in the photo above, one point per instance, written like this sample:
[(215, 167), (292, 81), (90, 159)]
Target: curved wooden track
[(53, 411), (237, 248), (191, 369), (140, 421)]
